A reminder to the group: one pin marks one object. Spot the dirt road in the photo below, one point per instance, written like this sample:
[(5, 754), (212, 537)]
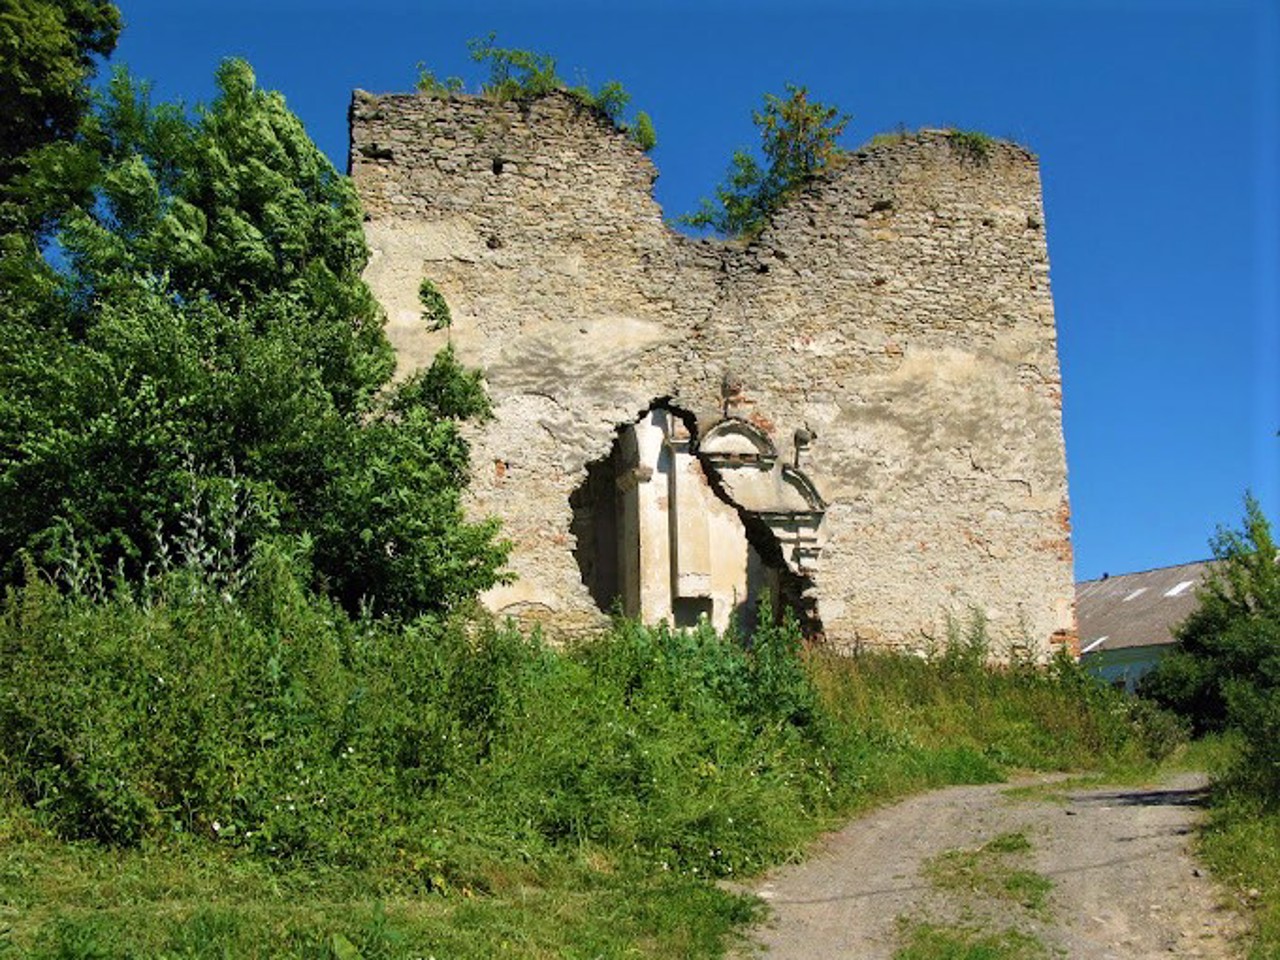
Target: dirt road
[(1079, 873)]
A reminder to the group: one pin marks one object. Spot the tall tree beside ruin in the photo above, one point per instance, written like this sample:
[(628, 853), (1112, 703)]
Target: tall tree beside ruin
[(48, 52), (207, 369)]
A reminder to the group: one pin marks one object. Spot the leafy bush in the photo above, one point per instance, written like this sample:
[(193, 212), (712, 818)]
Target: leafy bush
[(612, 99), (643, 133), (274, 722), (435, 309), (211, 323), (516, 74), (1225, 673)]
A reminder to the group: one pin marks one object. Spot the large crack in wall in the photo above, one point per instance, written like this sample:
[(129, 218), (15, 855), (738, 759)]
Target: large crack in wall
[(796, 590)]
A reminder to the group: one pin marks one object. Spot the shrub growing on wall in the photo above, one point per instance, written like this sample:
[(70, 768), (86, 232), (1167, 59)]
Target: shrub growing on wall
[(516, 74), (798, 139), (435, 309)]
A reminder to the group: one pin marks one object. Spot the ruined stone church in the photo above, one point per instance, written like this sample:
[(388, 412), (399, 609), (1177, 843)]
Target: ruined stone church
[(858, 411)]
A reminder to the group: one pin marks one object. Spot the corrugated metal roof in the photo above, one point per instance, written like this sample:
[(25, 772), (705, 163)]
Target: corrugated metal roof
[(1137, 609)]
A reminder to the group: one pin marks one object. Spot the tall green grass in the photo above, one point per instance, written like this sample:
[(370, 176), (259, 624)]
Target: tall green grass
[(186, 773), (1242, 846), (921, 722), (1241, 840)]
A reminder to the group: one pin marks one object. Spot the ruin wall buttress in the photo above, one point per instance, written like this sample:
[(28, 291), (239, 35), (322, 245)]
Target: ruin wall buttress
[(894, 321)]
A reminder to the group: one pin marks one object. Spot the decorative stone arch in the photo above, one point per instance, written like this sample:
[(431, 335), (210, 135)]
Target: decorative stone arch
[(737, 443), (779, 505)]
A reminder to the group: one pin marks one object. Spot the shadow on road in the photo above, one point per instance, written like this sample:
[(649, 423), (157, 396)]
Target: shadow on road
[(1194, 797)]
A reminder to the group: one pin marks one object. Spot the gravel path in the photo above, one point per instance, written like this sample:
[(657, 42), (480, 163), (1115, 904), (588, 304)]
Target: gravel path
[(1124, 883)]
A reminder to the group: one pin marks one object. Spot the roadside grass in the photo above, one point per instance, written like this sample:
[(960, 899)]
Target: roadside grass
[(184, 775), (973, 723), (1209, 754), (1241, 845)]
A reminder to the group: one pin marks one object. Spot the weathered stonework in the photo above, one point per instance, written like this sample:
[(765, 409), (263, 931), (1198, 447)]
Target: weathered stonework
[(889, 339)]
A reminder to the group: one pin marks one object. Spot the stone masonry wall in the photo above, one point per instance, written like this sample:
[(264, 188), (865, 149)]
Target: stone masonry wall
[(899, 309)]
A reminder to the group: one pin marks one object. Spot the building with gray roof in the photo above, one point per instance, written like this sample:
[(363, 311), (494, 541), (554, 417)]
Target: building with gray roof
[(1126, 621)]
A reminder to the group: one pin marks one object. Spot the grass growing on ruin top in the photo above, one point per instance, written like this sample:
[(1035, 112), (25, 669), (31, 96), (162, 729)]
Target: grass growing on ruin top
[(519, 74), (187, 772)]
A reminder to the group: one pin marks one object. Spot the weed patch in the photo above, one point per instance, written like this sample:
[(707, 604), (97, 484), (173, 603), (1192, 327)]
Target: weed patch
[(959, 716), (990, 871), (929, 941), (982, 886)]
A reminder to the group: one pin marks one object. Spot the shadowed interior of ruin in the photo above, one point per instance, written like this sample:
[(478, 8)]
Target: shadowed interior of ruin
[(595, 529)]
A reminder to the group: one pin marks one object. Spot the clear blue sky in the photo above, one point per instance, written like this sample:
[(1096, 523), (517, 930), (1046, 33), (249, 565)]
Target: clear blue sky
[(1157, 124)]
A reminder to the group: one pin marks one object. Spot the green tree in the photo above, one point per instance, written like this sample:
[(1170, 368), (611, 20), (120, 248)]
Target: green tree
[(513, 73), (798, 138), (210, 333), (47, 54), (1225, 673)]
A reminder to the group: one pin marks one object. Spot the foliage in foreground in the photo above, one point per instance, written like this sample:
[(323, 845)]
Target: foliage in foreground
[(204, 346), (294, 766), (49, 50), (798, 140), (1225, 673), (279, 726)]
